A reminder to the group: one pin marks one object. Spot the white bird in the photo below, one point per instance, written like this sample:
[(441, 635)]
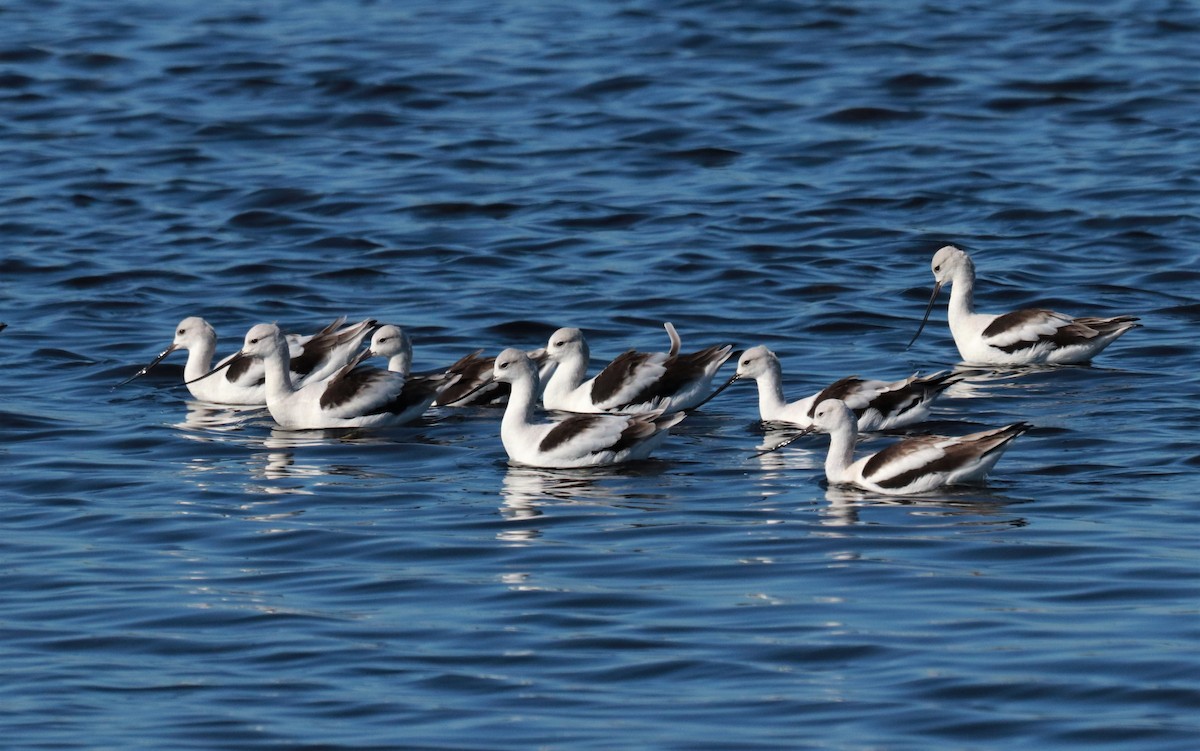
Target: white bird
[(585, 440), (634, 381), (914, 465), (475, 385), (877, 405), (391, 342), (313, 358), (1023, 337), (354, 397)]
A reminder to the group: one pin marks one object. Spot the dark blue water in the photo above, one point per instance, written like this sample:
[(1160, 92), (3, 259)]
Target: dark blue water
[(484, 172)]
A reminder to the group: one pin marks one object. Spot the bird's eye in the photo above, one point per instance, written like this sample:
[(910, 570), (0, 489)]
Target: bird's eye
[(746, 361), (504, 366), (180, 332), (559, 344), (938, 267), (254, 341)]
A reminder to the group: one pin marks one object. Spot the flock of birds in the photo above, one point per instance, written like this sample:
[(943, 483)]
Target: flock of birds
[(625, 412)]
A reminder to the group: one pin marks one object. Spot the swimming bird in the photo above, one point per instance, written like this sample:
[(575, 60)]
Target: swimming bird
[(474, 387), (1022, 337), (356, 396), (634, 381), (877, 405), (313, 358), (914, 465), (584, 440)]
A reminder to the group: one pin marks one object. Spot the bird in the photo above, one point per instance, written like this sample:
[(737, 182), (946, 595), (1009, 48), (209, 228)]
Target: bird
[(474, 387), (580, 440), (634, 381), (391, 342), (356, 396), (877, 405), (312, 358), (1023, 337), (917, 464)]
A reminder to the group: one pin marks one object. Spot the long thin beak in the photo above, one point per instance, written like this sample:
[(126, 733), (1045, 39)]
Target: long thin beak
[(237, 356), (146, 369), (807, 431), (928, 309), (720, 388)]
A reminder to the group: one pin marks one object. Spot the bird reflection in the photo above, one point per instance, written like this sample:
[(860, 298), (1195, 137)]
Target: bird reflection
[(278, 462), (525, 490), (776, 435), (981, 383), (968, 505), (205, 421)]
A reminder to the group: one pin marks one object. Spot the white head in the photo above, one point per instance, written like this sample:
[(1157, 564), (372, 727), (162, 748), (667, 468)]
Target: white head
[(513, 365), (389, 341), (263, 339), (947, 261), (564, 343), (192, 332), (756, 362), (832, 414)]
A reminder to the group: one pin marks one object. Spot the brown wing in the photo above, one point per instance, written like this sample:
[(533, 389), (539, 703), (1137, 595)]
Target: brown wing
[(617, 376), (953, 454), (839, 389), (568, 429), (238, 367), (681, 371)]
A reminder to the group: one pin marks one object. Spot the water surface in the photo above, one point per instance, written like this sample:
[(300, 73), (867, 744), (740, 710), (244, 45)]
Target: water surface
[(483, 173)]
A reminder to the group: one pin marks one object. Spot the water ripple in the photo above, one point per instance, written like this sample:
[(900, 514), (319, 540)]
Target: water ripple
[(189, 576)]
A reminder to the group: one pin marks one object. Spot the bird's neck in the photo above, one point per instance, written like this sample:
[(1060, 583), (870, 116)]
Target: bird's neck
[(518, 414), (962, 293), (278, 379), (401, 363), (770, 392), (841, 450), (199, 359), (568, 376)]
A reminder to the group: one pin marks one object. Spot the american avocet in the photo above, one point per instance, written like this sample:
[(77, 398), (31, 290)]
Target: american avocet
[(634, 381), (313, 358), (877, 405), (475, 385), (354, 397), (576, 441), (1023, 337), (391, 342), (913, 465)]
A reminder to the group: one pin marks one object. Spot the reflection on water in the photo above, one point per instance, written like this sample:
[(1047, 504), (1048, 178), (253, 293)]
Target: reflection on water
[(279, 461), (803, 452), (965, 505), (983, 383), (278, 464), (525, 489), (203, 419)]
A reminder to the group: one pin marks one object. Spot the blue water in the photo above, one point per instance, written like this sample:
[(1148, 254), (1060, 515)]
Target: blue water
[(484, 172)]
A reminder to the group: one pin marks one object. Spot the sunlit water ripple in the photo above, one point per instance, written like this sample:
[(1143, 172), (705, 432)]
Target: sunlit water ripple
[(482, 173)]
